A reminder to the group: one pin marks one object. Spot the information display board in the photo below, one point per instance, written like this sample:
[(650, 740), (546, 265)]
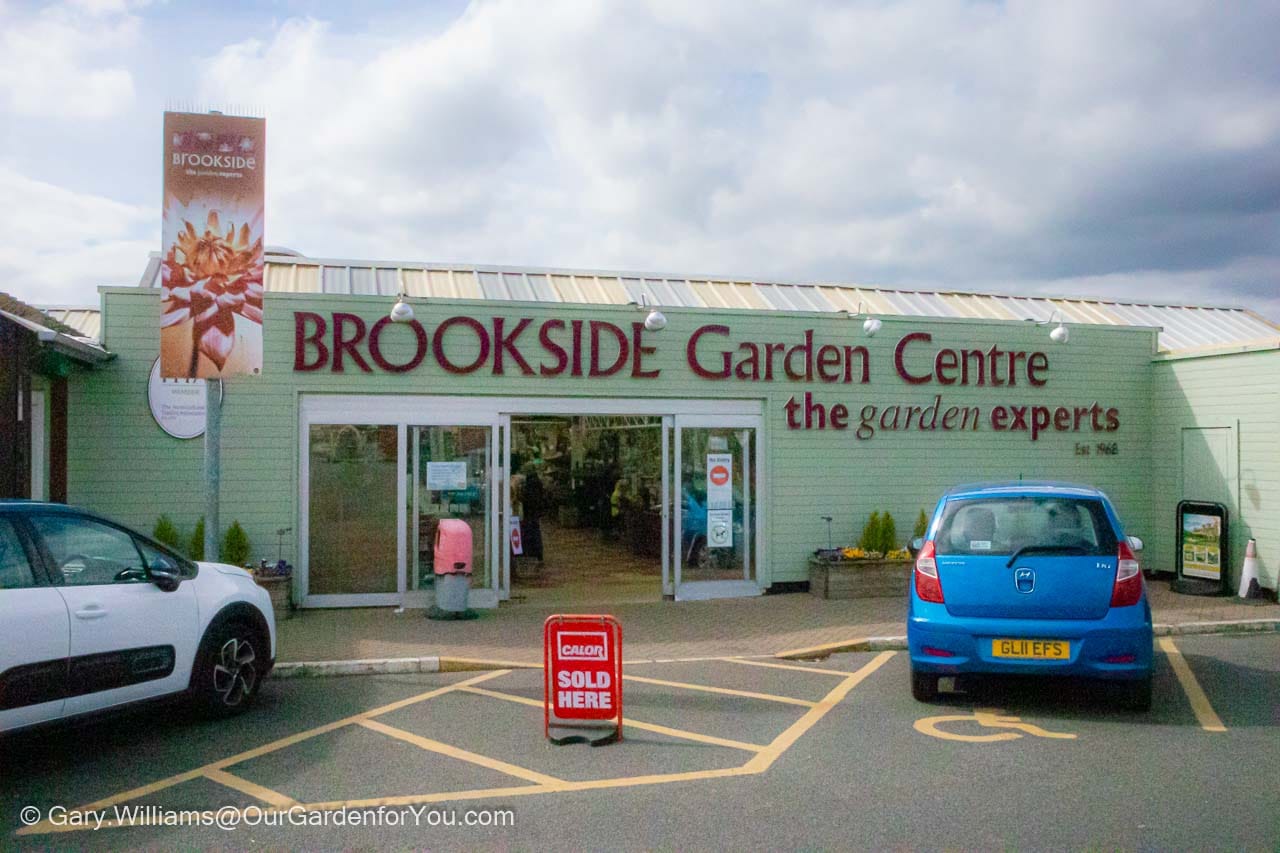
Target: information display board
[(1203, 546)]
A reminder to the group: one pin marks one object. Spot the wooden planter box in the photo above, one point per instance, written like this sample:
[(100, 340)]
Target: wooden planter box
[(859, 578), (279, 587)]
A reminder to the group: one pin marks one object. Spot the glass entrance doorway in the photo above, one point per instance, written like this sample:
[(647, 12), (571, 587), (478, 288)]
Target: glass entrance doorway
[(651, 498), (449, 467), (715, 507)]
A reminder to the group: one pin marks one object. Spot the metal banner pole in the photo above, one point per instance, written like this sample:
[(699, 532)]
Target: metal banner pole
[(212, 465)]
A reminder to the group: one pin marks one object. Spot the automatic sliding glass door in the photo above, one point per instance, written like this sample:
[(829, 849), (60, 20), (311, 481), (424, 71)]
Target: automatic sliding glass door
[(449, 469), (714, 533), (352, 520)]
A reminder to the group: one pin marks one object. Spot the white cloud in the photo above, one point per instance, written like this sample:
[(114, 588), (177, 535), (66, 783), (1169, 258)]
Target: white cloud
[(59, 245), (1085, 147), (64, 61)]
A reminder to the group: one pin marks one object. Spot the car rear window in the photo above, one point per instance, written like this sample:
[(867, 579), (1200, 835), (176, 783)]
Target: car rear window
[(1001, 526)]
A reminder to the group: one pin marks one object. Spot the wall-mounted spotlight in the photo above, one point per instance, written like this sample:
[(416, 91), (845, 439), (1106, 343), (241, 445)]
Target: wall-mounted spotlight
[(402, 311), (1060, 333), (870, 325), (655, 320)]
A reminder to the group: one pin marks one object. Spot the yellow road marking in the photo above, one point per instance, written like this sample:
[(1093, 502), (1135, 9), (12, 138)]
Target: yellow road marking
[(687, 735), (758, 764), (783, 742), (825, 650), (629, 722), (1209, 721), (725, 690), (179, 778), (836, 672), (510, 697), (989, 718), (244, 786), (460, 754)]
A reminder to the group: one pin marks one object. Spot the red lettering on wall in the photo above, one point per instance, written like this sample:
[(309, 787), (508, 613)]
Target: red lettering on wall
[(562, 357), (506, 343), (342, 344), (638, 352), (597, 326), (482, 336), (316, 339), (899, 362), (375, 346), (691, 353)]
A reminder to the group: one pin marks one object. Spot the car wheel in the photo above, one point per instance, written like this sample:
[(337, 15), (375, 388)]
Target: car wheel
[(924, 686), (229, 669), (1135, 695)]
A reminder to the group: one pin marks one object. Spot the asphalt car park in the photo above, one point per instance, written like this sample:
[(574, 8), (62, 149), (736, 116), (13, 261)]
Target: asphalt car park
[(746, 752)]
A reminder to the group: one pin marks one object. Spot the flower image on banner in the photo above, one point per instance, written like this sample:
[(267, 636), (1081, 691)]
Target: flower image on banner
[(212, 260)]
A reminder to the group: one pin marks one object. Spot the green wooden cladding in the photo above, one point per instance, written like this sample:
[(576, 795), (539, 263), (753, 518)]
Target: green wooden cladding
[(122, 464)]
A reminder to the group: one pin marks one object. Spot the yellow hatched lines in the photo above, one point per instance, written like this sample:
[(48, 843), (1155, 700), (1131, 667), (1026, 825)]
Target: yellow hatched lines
[(627, 722), (460, 754), (538, 783), (768, 697), (211, 770)]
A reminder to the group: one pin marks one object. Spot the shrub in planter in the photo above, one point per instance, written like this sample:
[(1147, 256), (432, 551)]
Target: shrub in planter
[(235, 546), (195, 549), (870, 538), (888, 534), (166, 533), (922, 526)]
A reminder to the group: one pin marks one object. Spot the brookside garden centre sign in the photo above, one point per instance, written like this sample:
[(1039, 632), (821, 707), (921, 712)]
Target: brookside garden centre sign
[(596, 349)]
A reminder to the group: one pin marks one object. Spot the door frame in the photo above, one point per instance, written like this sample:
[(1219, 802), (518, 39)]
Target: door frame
[(405, 410), (752, 484)]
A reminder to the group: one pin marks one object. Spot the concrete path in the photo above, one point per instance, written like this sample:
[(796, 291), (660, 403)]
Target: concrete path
[(658, 629)]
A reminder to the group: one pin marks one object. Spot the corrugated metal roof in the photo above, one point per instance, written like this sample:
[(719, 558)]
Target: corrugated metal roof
[(1183, 327), (85, 320)]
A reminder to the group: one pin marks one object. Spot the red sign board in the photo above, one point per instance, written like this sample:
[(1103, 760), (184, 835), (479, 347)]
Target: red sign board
[(582, 662), (719, 475)]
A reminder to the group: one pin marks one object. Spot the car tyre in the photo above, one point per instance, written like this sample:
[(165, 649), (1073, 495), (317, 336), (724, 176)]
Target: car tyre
[(1135, 695), (229, 669), (924, 686)]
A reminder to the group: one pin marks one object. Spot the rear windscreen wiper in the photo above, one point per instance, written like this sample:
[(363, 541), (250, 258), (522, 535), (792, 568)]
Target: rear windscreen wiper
[(1045, 549)]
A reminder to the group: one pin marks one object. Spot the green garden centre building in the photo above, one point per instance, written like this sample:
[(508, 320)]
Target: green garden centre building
[(695, 460)]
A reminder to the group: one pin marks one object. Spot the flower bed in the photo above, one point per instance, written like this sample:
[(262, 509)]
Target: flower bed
[(859, 577)]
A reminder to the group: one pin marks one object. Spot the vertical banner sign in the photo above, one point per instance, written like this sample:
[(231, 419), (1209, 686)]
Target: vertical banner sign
[(212, 255), (719, 500), (582, 662)]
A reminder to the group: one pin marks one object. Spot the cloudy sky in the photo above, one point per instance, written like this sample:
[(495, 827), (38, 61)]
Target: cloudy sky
[(1128, 149)]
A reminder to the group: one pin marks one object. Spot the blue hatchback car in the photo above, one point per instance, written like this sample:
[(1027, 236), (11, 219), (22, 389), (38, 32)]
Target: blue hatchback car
[(1029, 579)]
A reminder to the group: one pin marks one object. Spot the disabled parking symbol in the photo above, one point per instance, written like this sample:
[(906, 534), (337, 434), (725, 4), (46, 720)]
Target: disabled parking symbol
[(990, 718)]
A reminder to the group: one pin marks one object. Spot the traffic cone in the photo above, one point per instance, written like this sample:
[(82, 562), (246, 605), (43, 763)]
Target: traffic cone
[(1249, 571)]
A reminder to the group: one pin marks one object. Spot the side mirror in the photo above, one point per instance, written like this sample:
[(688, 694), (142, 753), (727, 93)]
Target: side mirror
[(164, 574), (915, 545), (1135, 544)]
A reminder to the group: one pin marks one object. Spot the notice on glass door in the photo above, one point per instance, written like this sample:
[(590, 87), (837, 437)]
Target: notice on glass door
[(447, 476), (720, 481)]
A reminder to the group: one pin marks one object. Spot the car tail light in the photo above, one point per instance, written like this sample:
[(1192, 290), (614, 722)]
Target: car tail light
[(1119, 658), (933, 651), (928, 587), (1128, 587)]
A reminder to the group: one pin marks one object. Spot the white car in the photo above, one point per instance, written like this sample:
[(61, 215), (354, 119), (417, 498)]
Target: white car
[(95, 616)]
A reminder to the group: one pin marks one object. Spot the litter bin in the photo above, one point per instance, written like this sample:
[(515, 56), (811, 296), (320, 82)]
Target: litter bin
[(452, 551)]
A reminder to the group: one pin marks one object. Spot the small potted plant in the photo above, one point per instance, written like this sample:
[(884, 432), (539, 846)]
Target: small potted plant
[(873, 568), (276, 580)]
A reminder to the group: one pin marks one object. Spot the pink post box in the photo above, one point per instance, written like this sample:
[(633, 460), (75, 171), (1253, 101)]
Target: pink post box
[(453, 547)]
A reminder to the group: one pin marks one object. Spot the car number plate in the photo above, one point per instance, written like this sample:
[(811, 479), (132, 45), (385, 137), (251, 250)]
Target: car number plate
[(1031, 649)]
